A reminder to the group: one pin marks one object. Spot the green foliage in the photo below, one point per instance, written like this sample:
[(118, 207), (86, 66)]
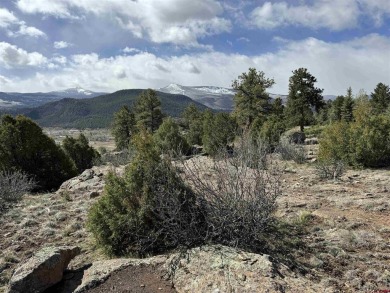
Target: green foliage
[(269, 131), (365, 142), (347, 106), (335, 143), (336, 109), (370, 141), (380, 98), (324, 114), (218, 131), (278, 107), (168, 138), (193, 120), (251, 99), (24, 147), (123, 127), (302, 96), (150, 210), (79, 150), (147, 110)]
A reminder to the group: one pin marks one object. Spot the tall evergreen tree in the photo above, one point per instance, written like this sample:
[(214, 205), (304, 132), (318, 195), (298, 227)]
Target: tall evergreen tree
[(123, 127), (278, 107), (303, 95), (347, 107), (380, 98), (193, 120), (147, 111), (336, 109), (251, 99), (219, 131)]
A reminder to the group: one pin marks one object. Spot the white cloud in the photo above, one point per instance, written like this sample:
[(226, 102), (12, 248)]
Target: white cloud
[(7, 18), (180, 22), (330, 14), (9, 22), (131, 50), (359, 63), (14, 57), (376, 9), (61, 45), (25, 30), (334, 15)]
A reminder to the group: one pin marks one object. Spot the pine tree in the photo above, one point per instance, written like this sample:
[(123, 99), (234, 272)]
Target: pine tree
[(147, 111), (336, 109), (303, 95), (123, 127), (380, 98), (251, 99), (219, 131), (347, 106), (193, 121)]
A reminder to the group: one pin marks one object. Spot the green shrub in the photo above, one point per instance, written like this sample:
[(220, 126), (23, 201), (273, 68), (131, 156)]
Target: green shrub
[(271, 130), (168, 138), (148, 211), (365, 142), (335, 143), (24, 147), (218, 131), (79, 150)]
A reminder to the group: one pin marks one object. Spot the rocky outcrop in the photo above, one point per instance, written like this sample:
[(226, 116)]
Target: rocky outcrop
[(42, 270), (224, 269), (100, 271), (88, 184), (209, 269)]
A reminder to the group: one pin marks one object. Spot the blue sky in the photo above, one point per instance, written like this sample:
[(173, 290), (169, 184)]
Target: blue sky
[(108, 45)]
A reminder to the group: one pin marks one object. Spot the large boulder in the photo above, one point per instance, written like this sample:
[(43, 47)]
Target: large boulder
[(90, 183), (42, 270), (224, 269)]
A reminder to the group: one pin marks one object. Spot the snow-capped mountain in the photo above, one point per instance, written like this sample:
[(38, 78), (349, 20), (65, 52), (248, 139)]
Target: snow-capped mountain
[(24, 100), (214, 97), (211, 96), (76, 93)]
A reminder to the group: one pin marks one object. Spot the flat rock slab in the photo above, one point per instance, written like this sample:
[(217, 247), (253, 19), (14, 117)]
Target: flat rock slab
[(43, 270), (100, 271)]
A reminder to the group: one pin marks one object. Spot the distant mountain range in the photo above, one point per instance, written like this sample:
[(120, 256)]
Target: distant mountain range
[(23, 100), (82, 108), (218, 98), (98, 112)]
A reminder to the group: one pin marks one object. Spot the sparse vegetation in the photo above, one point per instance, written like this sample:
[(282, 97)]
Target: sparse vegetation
[(13, 185)]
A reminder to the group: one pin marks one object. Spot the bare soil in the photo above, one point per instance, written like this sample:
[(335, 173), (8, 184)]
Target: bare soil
[(141, 279)]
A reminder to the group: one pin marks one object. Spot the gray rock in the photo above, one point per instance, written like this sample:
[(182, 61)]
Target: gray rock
[(42, 270), (297, 137)]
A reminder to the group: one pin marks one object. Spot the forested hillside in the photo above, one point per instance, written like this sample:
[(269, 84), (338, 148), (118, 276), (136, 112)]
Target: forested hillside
[(98, 112)]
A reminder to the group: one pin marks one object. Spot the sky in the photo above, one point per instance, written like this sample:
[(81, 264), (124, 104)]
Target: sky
[(108, 45)]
